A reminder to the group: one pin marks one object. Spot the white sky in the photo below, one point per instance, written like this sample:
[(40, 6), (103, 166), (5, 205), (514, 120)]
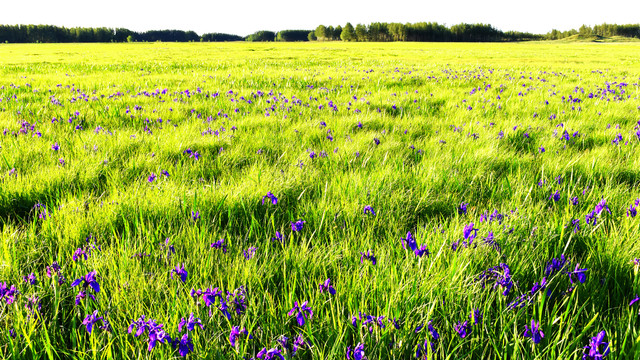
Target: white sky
[(243, 17)]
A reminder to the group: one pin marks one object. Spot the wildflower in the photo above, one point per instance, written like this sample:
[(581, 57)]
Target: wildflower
[(476, 316), (184, 344), (195, 216), (467, 234), (632, 211), (462, 210), (30, 279), (579, 274), (270, 354), (534, 332), (409, 241), (220, 245), (78, 254), (555, 196), (91, 320), (88, 280), (152, 177), (432, 330), (369, 209), (637, 298), (181, 271), (250, 252), (190, 323), (369, 256), (461, 328), (300, 311), (273, 198), (165, 173), (326, 286), (235, 335), (597, 348), (357, 353), (297, 225), (292, 348), (376, 141), (278, 237), (55, 147)]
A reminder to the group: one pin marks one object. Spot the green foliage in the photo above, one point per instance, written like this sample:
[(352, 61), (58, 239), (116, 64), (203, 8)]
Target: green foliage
[(261, 36), (253, 112), (348, 33), (293, 35)]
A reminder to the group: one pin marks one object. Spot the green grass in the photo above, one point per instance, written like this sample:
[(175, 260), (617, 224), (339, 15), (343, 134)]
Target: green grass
[(433, 154)]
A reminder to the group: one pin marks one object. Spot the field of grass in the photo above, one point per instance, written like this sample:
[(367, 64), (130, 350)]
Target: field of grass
[(452, 194)]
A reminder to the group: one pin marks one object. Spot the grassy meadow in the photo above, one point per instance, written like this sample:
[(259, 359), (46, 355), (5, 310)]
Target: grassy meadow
[(514, 167)]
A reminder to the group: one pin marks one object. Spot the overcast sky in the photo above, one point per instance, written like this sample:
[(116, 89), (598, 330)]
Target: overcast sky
[(243, 17)]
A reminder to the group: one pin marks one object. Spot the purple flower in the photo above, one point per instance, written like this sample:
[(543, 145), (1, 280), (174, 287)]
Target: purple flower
[(432, 330), (152, 177), (579, 274), (181, 271), (632, 211), (467, 233), (476, 316), (300, 311), (55, 147), (461, 328), (165, 173), (357, 353), (409, 241), (270, 354), (422, 251), (326, 286), (273, 198), (555, 196), (597, 348), (30, 279), (278, 237), (79, 253), (534, 332), (91, 320), (195, 216), (637, 298), (462, 210), (369, 209), (220, 245), (376, 141), (88, 280), (250, 252), (369, 256), (297, 225), (190, 323), (184, 345)]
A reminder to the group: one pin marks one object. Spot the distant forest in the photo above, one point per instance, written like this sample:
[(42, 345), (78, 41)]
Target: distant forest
[(379, 32)]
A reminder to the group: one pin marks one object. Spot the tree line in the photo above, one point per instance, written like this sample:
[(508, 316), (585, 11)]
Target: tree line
[(377, 31)]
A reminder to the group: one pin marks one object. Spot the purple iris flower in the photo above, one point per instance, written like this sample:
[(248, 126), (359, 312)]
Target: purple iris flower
[(195, 216), (278, 237), (152, 177), (432, 330), (534, 332), (326, 286), (297, 225), (462, 210), (271, 354), (461, 328), (597, 348), (91, 320), (409, 241), (165, 173), (88, 280), (357, 353), (191, 322), (184, 345), (476, 316), (235, 335), (220, 245), (634, 300), (369, 209), (55, 147), (369, 256), (30, 279), (632, 211), (273, 198), (300, 311), (181, 271), (250, 252), (555, 196), (579, 274)]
